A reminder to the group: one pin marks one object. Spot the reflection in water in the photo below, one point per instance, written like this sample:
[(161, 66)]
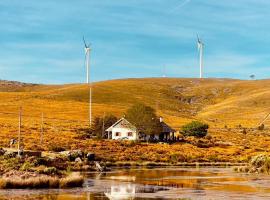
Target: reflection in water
[(121, 192), (159, 183)]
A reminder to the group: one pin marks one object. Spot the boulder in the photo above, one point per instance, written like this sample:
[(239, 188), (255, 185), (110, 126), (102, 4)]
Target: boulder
[(78, 160), (10, 154), (2, 151), (72, 155), (90, 156)]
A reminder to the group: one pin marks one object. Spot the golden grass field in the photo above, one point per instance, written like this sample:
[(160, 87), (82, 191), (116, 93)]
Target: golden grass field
[(218, 102)]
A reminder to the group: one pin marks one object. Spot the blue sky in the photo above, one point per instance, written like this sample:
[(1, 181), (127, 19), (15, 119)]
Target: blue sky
[(41, 41)]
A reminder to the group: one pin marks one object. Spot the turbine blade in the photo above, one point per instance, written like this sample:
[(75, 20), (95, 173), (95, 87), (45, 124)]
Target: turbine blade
[(198, 39), (84, 42)]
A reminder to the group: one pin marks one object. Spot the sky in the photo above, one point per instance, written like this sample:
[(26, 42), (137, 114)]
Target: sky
[(41, 41)]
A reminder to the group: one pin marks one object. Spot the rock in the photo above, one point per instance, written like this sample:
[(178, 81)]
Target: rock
[(10, 154), (90, 156), (78, 160), (223, 144), (72, 155), (2, 151)]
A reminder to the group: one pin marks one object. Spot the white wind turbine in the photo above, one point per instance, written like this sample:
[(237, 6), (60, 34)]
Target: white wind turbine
[(200, 49), (87, 64)]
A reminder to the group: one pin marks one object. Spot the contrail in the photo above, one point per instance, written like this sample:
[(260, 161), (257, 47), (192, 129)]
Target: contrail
[(180, 5)]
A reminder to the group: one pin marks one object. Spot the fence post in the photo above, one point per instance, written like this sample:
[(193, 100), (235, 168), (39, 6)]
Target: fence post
[(19, 133)]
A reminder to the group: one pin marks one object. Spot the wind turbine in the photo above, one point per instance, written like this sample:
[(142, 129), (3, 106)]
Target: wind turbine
[(87, 64), (200, 49)]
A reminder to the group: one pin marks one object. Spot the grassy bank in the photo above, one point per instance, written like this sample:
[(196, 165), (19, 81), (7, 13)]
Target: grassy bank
[(179, 164), (41, 181), (258, 164), (39, 172)]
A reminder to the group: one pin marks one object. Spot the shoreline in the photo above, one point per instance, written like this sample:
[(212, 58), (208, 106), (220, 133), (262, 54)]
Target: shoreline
[(180, 164)]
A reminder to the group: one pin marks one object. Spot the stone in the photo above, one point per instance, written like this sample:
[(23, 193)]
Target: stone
[(78, 160), (90, 156)]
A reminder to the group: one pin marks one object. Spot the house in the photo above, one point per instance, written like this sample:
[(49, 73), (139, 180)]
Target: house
[(166, 135), (124, 130)]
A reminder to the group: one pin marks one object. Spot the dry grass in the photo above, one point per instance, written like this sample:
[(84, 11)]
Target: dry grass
[(73, 180), (41, 181), (33, 183), (218, 102)]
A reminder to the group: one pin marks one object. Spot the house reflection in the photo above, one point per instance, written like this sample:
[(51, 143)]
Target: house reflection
[(121, 192)]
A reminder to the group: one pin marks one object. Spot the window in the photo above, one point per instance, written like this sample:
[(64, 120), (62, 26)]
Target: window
[(130, 134), (118, 134)]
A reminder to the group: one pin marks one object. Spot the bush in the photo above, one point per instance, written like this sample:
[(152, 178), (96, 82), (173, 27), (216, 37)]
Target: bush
[(195, 128), (56, 148), (50, 171), (261, 127), (41, 161), (27, 166)]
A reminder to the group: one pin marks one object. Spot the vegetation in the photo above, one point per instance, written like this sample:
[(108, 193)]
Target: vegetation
[(34, 182), (257, 164), (144, 119), (261, 127), (101, 124), (218, 102), (195, 128)]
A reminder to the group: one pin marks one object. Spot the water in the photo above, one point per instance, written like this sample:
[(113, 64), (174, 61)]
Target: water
[(157, 183)]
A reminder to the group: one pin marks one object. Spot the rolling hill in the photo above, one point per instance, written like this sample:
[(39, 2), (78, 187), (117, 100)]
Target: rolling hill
[(218, 102), (228, 106)]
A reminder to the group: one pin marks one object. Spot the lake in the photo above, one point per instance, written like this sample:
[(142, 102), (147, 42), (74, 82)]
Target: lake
[(157, 183)]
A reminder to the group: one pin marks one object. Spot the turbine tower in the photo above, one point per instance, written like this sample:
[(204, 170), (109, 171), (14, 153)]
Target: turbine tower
[(200, 49), (87, 64)]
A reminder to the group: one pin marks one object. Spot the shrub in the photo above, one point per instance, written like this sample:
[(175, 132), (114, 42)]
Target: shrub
[(27, 166), (195, 128), (261, 163), (11, 163), (101, 124), (50, 171), (261, 127), (41, 161), (56, 148)]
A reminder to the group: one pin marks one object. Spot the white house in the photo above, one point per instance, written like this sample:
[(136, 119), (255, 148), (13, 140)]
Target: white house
[(122, 129)]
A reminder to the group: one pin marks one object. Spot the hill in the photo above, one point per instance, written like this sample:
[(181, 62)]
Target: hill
[(227, 105), (217, 101)]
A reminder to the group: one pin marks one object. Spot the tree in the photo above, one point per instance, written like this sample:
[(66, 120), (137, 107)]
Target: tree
[(195, 128), (100, 124), (144, 119)]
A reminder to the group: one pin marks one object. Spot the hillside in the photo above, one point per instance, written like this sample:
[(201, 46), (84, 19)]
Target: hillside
[(219, 102), (216, 101)]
